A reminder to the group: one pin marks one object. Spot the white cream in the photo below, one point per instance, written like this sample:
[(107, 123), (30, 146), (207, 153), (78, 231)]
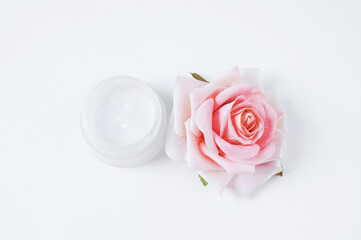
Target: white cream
[(125, 115), (124, 121)]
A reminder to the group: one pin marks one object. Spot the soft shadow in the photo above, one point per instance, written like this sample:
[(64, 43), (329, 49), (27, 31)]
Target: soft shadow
[(168, 101), (296, 137), (268, 184), (157, 159)]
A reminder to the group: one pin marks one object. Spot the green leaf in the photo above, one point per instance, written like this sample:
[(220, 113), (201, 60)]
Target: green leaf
[(198, 77), (204, 182)]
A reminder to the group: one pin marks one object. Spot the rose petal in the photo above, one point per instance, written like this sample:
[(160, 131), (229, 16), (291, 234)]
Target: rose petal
[(230, 94), (175, 145), (223, 125), (204, 118), (231, 78), (281, 124), (270, 153), (241, 135), (231, 167), (181, 101), (250, 76), (275, 103), (194, 158), (233, 151), (252, 104), (264, 155), (221, 117), (269, 126), (245, 183), (280, 140), (277, 106), (219, 179), (197, 97), (267, 154)]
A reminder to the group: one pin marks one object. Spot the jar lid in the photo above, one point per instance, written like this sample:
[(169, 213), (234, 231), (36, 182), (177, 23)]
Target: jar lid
[(124, 121)]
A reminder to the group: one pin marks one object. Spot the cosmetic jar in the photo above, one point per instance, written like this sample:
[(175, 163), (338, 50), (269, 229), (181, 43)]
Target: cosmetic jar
[(123, 120)]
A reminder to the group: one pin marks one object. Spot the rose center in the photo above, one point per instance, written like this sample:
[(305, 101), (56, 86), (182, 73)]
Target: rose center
[(248, 125), (248, 121)]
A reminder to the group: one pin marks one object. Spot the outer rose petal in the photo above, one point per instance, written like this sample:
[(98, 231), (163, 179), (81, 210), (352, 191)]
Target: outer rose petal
[(231, 167), (275, 103), (181, 102), (230, 94), (250, 76), (194, 158), (265, 155), (274, 151), (219, 179), (197, 97), (175, 146), (269, 126), (281, 124), (236, 151), (231, 78), (204, 119), (245, 183), (270, 153), (277, 106), (280, 144)]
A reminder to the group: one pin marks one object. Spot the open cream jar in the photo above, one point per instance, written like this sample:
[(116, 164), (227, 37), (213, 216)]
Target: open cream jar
[(124, 121)]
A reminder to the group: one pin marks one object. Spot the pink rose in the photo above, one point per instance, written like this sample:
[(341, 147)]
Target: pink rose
[(229, 131)]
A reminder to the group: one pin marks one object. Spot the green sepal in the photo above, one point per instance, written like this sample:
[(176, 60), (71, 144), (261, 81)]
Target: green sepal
[(204, 182)]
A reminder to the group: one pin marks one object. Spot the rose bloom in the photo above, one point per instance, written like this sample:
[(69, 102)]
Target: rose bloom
[(229, 131)]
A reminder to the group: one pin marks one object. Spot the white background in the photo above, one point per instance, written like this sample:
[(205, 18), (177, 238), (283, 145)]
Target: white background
[(53, 52)]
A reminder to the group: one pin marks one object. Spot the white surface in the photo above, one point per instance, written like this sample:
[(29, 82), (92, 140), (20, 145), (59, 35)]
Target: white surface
[(53, 52)]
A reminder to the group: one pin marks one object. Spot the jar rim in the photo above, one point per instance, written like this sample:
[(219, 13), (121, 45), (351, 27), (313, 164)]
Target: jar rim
[(119, 152)]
